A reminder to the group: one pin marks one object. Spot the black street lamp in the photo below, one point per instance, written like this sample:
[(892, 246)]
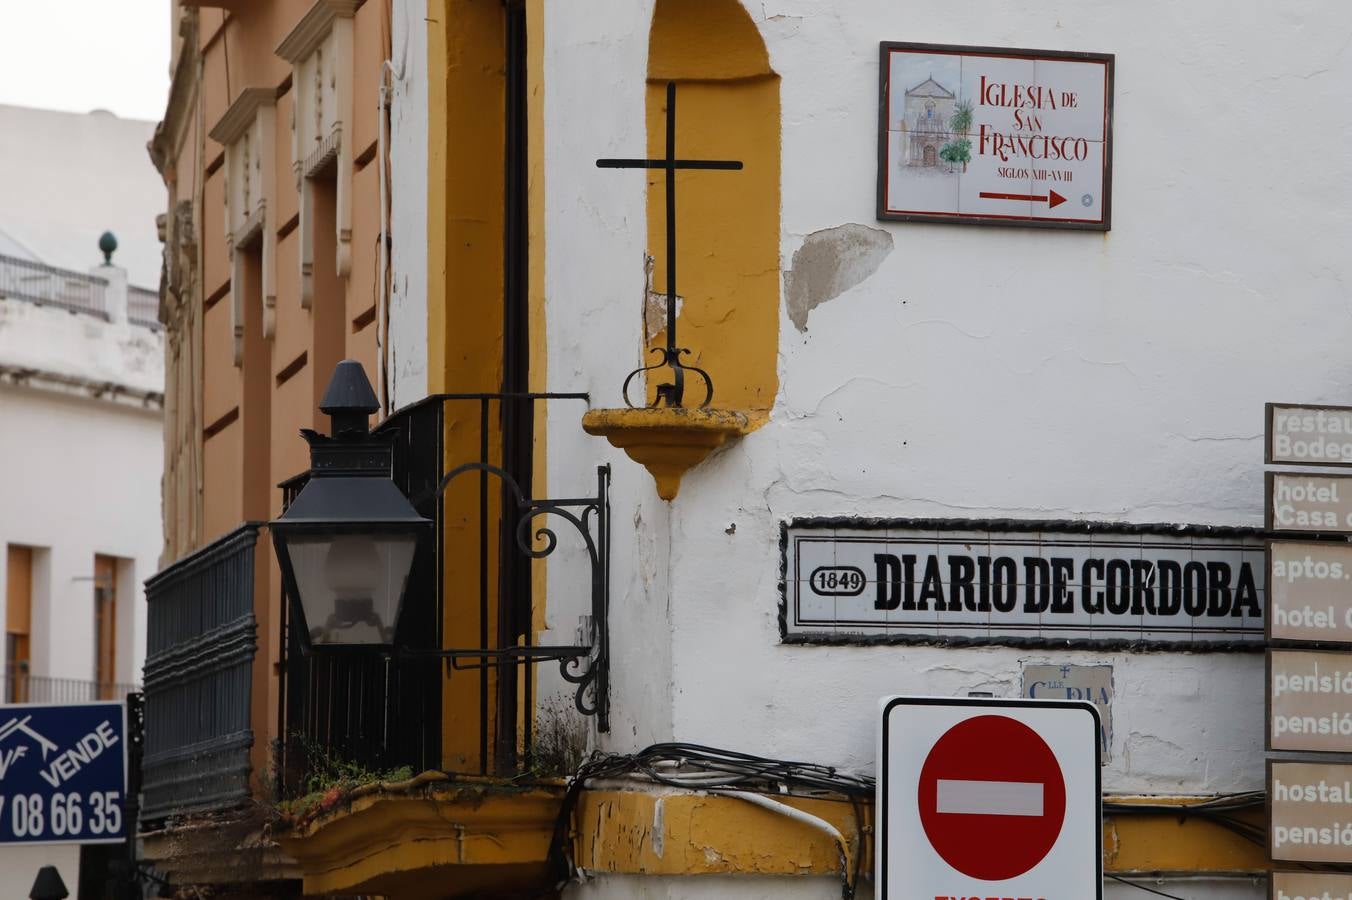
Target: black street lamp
[(48, 885), (346, 543)]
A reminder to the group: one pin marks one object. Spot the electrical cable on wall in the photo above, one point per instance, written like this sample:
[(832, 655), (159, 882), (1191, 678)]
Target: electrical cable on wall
[(700, 768), (1141, 887), (697, 767)]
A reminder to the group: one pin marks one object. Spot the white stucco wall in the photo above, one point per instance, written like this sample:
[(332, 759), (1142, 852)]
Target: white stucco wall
[(979, 373), (408, 204), (81, 445), (81, 455), (81, 475)]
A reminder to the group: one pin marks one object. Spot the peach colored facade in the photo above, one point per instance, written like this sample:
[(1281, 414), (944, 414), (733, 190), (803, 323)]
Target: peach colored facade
[(255, 213)]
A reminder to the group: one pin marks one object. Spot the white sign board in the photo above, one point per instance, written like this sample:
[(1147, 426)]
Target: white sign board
[(1309, 503), (1309, 435), (989, 798), (1052, 583), (995, 136)]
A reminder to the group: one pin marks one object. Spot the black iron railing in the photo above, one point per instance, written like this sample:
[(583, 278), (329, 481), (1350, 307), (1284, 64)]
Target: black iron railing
[(199, 650), (23, 279), (385, 712)]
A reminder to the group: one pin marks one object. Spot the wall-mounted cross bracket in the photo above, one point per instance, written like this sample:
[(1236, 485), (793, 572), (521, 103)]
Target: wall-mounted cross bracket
[(671, 394)]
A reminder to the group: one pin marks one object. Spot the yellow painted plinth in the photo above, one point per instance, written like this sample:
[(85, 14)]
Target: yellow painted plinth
[(668, 442), (432, 840)]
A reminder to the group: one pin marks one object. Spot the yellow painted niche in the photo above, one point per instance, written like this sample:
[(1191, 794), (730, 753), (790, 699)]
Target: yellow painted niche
[(727, 226), (667, 442)]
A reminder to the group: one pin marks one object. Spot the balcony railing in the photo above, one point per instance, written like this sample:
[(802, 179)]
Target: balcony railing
[(143, 307), (36, 282), (200, 648), (20, 687)]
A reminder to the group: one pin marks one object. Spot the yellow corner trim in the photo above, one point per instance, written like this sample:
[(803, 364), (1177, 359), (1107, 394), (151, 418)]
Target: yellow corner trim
[(455, 839), (667, 442), (642, 832), (383, 843)]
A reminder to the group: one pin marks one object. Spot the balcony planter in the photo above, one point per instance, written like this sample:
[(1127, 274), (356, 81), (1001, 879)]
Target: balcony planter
[(667, 441)]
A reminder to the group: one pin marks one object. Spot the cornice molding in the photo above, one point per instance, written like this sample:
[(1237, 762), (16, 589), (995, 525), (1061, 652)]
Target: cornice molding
[(75, 386), (241, 114), (313, 27), (182, 91)]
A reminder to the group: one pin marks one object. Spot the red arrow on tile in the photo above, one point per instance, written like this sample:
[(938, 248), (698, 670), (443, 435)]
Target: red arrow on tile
[(1052, 198)]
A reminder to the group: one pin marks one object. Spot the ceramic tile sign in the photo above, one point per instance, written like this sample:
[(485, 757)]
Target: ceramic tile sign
[(868, 581), (995, 136), (1309, 503), (1310, 812), (1090, 684), (1309, 886), (1309, 435), (1310, 591), (1309, 701)]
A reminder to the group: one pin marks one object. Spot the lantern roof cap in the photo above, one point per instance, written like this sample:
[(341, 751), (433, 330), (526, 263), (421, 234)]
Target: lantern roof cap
[(351, 500), (349, 391)]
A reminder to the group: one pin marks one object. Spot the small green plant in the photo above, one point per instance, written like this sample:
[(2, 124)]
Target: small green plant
[(329, 777)]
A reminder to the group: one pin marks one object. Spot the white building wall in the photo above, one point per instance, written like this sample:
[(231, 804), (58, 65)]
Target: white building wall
[(81, 456), (981, 372), (408, 203), (595, 246), (80, 477)]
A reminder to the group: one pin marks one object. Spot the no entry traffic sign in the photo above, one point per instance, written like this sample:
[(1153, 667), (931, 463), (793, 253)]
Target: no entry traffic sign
[(985, 797)]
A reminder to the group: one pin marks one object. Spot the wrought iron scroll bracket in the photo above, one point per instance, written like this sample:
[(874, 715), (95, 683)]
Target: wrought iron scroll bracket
[(585, 665)]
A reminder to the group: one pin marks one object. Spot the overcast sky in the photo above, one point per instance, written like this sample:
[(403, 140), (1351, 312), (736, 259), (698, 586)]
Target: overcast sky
[(78, 55)]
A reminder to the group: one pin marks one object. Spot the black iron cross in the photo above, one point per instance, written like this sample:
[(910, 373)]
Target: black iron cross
[(670, 394)]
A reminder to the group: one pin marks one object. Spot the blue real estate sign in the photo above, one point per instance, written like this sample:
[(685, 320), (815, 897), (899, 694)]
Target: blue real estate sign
[(63, 773)]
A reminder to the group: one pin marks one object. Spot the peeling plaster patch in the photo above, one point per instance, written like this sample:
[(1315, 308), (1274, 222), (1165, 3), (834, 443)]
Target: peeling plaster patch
[(655, 303), (658, 832), (655, 313), (829, 263)]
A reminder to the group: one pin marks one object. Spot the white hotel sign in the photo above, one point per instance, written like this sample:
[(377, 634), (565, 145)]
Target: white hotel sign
[(995, 136), (1309, 503), (1310, 812)]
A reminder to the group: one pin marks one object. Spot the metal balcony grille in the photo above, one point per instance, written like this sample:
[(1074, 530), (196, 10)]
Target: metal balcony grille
[(23, 279), (143, 307), (200, 647)]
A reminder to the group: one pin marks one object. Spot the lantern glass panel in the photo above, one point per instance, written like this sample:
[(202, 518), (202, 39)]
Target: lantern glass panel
[(350, 584)]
